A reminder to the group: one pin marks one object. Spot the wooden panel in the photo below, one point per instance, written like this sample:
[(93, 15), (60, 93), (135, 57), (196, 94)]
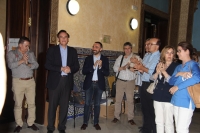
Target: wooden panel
[(175, 15), (17, 26), (43, 44)]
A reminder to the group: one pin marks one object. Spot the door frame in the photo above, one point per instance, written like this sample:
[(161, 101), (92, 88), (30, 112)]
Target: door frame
[(154, 11)]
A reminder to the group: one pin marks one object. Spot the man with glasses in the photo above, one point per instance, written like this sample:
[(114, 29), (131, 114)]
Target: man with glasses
[(147, 68), (125, 84)]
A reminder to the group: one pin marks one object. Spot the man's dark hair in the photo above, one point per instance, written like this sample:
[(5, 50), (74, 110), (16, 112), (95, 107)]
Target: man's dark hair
[(61, 32), (147, 39), (158, 42), (101, 45), (23, 39), (127, 44)]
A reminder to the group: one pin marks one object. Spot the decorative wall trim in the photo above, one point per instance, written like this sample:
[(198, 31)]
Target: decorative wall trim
[(108, 53), (54, 22)]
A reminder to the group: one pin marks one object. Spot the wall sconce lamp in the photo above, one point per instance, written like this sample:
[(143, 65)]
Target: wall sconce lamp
[(72, 7), (133, 23)]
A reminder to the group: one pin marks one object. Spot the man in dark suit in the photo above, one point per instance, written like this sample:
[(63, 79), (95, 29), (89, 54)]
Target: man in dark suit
[(61, 63), (95, 67)]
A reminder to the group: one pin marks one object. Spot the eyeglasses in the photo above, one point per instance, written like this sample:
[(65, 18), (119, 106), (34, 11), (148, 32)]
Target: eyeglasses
[(152, 44)]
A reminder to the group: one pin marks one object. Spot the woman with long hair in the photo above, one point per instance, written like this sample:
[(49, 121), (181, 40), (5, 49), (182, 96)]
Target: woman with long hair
[(161, 96), (185, 75)]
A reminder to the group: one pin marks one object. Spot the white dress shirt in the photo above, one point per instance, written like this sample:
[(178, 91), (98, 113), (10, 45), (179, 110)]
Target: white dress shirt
[(124, 74)]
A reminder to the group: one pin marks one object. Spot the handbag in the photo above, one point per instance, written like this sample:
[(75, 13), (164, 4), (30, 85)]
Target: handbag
[(138, 80), (113, 91), (194, 92), (152, 86)]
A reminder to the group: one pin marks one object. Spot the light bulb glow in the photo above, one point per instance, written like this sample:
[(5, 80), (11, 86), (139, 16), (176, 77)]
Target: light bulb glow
[(134, 23), (73, 7)]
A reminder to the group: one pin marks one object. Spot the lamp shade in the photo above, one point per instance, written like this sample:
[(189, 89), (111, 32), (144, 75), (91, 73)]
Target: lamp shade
[(72, 7), (133, 23)]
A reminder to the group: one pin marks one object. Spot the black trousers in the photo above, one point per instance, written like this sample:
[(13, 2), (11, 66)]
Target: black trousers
[(59, 96), (149, 125)]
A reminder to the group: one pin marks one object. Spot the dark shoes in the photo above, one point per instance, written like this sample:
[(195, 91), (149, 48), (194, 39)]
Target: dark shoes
[(131, 122), (83, 127), (17, 129), (115, 120), (140, 129), (97, 127), (49, 131), (62, 131), (33, 127)]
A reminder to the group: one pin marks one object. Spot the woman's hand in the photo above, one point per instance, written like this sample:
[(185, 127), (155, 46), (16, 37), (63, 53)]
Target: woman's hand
[(162, 67), (173, 90), (185, 75), (158, 68)]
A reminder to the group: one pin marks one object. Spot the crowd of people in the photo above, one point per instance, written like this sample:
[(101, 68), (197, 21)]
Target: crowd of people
[(169, 102)]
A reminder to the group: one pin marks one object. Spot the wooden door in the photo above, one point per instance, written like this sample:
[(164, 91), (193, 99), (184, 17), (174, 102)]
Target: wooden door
[(155, 26), (18, 14)]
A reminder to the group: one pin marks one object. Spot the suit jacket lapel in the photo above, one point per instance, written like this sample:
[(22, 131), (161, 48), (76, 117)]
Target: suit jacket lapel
[(59, 54)]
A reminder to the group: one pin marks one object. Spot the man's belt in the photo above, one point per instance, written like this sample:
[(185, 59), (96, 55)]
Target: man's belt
[(26, 78), (95, 81), (123, 80), (63, 75)]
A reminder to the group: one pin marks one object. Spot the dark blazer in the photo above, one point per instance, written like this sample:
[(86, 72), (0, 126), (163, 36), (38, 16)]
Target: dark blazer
[(161, 92), (54, 63), (88, 71)]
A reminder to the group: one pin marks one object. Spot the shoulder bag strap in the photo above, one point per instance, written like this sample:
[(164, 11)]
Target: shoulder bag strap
[(120, 66)]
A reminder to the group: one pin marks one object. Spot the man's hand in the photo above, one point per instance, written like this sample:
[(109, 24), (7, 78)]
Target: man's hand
[(66, 69), (124, 67), (132, 69), (100, 63), (134, 60), (173, 90), (29, 65), (96, 63), (139, 66), (25, 58)]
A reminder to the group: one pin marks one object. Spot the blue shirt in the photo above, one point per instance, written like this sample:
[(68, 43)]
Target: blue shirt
[(63, 53), (150, 61), (181, 97), (95, 76)]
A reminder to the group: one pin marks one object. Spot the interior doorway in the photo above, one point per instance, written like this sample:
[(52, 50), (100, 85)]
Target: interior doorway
[(154, 26)]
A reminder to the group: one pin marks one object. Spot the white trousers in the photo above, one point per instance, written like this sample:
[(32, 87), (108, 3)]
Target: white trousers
[(164, 117), (183, 118)]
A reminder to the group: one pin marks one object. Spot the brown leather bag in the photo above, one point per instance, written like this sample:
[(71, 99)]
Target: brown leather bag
[(194, 92)]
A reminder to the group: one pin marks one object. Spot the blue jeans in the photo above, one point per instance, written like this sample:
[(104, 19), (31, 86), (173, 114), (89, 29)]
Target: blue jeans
[(93, 94)]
